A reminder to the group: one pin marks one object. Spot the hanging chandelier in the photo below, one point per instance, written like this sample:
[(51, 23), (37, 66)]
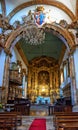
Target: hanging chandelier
[(33, 35)]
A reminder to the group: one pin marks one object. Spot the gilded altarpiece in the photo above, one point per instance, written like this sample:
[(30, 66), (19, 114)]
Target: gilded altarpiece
[(43, 78)]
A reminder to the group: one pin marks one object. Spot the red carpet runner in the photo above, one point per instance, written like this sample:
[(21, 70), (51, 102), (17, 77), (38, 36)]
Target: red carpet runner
[(38, 124)]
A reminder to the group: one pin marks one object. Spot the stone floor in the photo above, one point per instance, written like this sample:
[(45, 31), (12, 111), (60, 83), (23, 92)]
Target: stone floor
[(37, 111)]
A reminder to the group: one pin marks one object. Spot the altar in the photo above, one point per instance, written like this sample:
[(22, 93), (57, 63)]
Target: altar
[(43, 100)]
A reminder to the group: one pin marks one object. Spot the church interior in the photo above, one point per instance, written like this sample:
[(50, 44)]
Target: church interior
[(38, 63)]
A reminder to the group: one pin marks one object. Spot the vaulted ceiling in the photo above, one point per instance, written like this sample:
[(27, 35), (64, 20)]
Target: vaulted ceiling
[(52, 47)]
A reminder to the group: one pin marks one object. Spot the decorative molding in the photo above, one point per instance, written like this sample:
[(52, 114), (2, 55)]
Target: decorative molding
[(4, 23), (73, 25), (73, 30), (46, 2), (61, 31), (44, 61)]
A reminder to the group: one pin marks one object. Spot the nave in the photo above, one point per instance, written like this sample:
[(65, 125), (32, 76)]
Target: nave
[(38, 62), (27, 120), (37, 112)]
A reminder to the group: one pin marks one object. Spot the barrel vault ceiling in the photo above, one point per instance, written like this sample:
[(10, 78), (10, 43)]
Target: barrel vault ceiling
[(52, 47)]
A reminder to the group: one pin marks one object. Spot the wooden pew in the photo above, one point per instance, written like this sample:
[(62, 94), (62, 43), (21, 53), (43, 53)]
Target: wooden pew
[(73, 125), (10, 120), (59, 108), (18, 114), (63, 121), (19, 117), (56, 114)]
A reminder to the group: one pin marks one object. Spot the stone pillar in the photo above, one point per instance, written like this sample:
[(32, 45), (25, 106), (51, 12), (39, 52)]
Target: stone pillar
[(6, 77), (65, 70), (76, 66), (73, 58), (24, 84), (75, 86), (25, 89), (2, 64), (4, 74), (73, 83)]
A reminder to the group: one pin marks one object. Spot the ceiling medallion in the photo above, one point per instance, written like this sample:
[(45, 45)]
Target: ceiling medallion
[(34, 33)]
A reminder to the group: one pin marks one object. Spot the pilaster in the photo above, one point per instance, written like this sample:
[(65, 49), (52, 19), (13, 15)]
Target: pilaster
[(74, 76), (5, 83)]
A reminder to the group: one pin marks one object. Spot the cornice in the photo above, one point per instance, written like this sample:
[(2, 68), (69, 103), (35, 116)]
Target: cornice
[(45, 2)]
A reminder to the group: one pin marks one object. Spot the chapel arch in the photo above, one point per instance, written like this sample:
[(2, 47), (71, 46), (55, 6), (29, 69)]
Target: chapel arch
[(60, 32)]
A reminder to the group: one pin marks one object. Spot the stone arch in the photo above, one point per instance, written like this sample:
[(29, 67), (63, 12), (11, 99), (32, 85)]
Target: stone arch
[(52, 3), (64, 35)]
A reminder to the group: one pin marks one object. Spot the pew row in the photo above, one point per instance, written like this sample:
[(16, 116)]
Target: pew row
[(59, 108), (73, 125), (63, 120), (10, 120)]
